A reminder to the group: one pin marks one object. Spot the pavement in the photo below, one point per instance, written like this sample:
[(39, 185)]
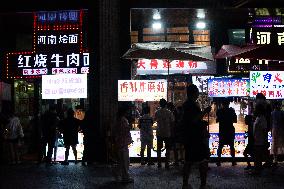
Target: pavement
[(30, 175)]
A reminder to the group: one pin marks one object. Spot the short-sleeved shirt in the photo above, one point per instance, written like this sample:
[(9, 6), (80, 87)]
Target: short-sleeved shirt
[(146, 131), (164, 119)]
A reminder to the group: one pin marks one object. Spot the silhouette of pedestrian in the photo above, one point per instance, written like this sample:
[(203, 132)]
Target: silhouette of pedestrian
[(226, 117)]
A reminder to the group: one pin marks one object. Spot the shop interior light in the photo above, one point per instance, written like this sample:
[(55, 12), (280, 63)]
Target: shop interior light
[(200, 13), (156, 15), (200, 25), (157, 25)]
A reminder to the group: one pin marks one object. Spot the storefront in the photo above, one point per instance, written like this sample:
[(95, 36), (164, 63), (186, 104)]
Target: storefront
[(54, 71)]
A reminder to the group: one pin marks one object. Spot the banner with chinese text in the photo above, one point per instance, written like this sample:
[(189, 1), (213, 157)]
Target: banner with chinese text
[(269, 83), (226, 87), (142, 90), (64, 86), (163, 67)]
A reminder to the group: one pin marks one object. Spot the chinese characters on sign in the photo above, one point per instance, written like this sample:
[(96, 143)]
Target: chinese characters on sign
[(54, 39), (64, 86), (163, 67), (142, 90), (268, 36), (269, 83), (58, 16), (225, 87), (238, 65)]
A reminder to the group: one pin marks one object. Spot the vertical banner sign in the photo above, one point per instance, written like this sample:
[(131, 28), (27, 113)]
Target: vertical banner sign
[(225, 87), (269, 83), (142, 90)]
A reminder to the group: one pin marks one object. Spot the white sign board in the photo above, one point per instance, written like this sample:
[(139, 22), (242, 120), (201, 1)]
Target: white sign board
[(64, 86), (269, 83), (163, 67), (142, 90)]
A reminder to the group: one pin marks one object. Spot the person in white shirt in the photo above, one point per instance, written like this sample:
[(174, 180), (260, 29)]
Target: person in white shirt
[(165, 119)]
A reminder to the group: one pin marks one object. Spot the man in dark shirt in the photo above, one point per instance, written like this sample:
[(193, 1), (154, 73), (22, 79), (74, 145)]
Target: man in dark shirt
[(226, 117)]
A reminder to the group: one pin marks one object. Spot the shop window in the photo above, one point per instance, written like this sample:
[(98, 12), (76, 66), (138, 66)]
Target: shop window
[(201, 37)]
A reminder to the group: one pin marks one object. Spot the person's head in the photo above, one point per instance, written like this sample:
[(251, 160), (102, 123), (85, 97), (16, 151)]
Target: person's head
[(192, 92), (70, 112), (277, 105), (52, 108), (123, 110), (163, 103), (260, 97), (225, 103), (146, 110), (171, 106), (260, 110)]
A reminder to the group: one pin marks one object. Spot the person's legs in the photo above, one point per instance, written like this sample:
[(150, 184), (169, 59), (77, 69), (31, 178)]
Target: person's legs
[(232, 152), (149, 158), (258, 151), (49, 151), (168, 148), (175, 149), (125, 165), (159, 147), (74, 152), (67, 148), (203, 169), (142, 152), (12, 152), (219, 152), (246, 153)]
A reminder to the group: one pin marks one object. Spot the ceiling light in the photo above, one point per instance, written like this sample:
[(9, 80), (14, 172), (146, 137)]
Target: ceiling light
[(156, 15), (157, 25), (200, 25)]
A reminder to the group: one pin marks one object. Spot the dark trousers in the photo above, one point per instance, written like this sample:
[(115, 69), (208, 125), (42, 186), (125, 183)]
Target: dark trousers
[(160, 141)]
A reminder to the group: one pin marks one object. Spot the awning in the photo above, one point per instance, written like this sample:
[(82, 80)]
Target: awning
[(170, 51), (252, 51)]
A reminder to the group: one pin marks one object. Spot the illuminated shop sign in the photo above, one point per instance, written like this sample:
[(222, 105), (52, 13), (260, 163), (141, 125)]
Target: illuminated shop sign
[(244, 65), (163, 67), (64, 86), (269, 83), (57, 48), (268, 36), (58, 16), (225, 87), (142, 90)]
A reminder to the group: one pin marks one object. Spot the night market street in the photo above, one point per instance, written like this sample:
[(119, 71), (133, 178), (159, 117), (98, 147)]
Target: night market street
[(30, 175)]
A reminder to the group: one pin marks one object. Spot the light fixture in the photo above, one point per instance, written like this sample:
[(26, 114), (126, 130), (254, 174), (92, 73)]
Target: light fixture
[(200, 25), (157, 25), (156, 15), (200, 13)]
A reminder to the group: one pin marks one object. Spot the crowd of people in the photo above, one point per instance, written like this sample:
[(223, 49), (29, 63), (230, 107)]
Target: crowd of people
[(180, 130)]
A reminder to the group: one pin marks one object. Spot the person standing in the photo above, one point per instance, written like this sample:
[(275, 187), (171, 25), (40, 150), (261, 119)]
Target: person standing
[(146, 135), (249, 148), (70, 127), (165, 119), (122, 140), (14, 135), (277, 124), (87, 129), (260, 138), (260, 100), (195, 137), (226, 116), (49, 122)]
